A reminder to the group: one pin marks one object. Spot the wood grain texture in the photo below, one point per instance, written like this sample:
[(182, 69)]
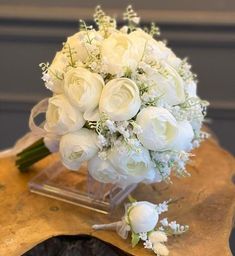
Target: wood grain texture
[(205, 202)]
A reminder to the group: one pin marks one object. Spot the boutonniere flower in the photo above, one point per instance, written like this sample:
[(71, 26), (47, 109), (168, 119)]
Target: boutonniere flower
[(142, 221)]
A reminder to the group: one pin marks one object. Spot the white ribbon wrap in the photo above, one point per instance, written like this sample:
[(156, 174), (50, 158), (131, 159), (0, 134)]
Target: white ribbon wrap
[(36, 132), (121, 227)]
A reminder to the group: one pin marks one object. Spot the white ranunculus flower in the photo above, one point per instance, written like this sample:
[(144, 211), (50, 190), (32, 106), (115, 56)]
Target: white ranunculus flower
[(83, 88), (191, 89), (159, 51), (56, 72), (185, 136), (157, 237), (143, 217), (159, 127), (140, 39), (117, 53), (133, 165), (52, 142), (102, 170), (78, 44), (169, 88), (169, 55), (77, 147), (62, 117), (120, 99)]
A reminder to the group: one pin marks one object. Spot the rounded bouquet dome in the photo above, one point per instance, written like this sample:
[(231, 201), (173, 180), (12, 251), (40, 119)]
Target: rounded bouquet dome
[(124, 102)]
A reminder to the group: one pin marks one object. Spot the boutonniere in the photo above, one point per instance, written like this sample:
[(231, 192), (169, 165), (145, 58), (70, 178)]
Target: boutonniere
[(142, 220)]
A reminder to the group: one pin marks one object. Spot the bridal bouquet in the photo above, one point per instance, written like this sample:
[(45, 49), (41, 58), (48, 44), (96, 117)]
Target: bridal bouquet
[(121, 101)]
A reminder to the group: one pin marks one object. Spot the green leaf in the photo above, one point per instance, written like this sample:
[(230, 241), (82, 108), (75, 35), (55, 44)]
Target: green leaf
[(134, 239)]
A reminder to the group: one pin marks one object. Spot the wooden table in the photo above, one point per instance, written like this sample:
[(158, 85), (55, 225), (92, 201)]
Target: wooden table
[(206, 202)]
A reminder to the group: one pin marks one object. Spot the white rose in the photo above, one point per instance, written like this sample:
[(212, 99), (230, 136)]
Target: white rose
[(56, 73), (157, 237), (83, 88), (77, 147), (143, 217), (185, 136), (117, 53), (120, 99), (145, 43), (134, 166), (170, 87), (159, 128), (79, 42), (62, 117), (102, 170)]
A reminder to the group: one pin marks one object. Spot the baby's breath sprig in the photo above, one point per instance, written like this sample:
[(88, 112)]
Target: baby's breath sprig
[(172, 228), (84, 27), (44, 67), (193, 102), (131, 17), (153, 30), (185, 71), (181, 172), (158, 66), (46, 71), (100, 125), (70, 52), (154, 101), (104, 22), (143, 87)]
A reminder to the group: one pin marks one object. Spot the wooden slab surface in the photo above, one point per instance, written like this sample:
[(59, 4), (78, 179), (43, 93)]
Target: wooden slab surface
[(205, 201)]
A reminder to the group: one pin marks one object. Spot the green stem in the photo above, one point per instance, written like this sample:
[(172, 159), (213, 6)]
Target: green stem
[(32, 152), (31, 155), (25, 165), (34, 145)]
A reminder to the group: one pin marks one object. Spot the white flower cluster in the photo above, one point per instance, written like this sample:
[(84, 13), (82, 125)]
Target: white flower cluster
[(124, 102), (142, 220)]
